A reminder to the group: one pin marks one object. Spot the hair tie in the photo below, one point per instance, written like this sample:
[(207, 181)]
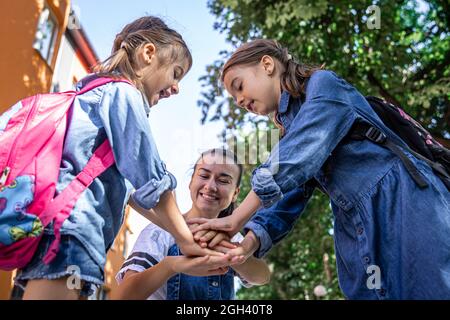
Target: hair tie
[(289, 57)]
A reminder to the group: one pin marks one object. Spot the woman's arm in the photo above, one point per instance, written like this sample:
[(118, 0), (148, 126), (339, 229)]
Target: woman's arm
[(140, 285), (254, 271)]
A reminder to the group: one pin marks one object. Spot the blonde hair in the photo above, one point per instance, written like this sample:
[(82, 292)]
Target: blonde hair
[(294, 77), (122, 62)]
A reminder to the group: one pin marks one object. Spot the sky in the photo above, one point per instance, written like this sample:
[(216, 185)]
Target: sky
[(175, 122)]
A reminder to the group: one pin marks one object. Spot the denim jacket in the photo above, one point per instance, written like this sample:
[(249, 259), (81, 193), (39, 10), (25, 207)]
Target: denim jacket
[(117, 112), (382, 220)]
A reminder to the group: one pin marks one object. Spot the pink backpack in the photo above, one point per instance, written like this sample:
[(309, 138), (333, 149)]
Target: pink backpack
[(31, 145)]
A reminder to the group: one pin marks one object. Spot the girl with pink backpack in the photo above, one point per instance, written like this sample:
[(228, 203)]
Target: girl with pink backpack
[(69, 162)]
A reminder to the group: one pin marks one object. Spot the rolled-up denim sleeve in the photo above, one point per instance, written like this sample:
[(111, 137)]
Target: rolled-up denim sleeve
[(271, 225), (122, 111), (322, 122)]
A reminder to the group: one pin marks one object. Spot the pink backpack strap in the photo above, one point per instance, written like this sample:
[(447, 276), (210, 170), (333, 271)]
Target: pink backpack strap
[(99, 82), (63, 204)]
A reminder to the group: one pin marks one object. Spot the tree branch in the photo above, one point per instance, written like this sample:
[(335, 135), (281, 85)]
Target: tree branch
[(434, 65), (384, 93)]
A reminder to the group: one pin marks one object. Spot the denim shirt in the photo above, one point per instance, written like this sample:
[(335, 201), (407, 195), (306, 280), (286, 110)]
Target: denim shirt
[(382, 220), (117, 112), (186, 287)]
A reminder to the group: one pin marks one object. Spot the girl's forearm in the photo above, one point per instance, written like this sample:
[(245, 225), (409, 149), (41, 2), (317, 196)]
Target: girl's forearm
[(247, 208), (167, 215), (148, 214), (140, 285)]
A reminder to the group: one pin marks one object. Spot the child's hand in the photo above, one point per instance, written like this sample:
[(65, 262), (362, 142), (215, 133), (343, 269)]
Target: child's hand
[(243, 250), (210, 238), (213, 238), (200, 266), (227, 224), (236, 255), (194, 249)]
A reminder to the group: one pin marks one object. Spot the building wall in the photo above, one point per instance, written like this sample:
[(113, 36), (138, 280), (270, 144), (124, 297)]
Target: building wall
[(24, 70), (5, 284)]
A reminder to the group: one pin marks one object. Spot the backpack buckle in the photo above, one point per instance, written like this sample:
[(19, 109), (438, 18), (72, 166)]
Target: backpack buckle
[(4, 176), (84, 178), (375, 135)]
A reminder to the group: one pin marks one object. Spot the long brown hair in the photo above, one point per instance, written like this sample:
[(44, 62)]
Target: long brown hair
[(294, 76), (148, 29), (226, 154)]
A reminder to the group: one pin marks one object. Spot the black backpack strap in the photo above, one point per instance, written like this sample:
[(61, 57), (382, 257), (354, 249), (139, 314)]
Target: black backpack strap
[(364, 130)]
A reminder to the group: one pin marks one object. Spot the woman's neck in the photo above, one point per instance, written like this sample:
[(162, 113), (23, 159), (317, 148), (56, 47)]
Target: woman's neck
[(194, 212)]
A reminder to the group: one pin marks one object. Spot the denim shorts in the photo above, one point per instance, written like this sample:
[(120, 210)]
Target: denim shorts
[(71, 261)]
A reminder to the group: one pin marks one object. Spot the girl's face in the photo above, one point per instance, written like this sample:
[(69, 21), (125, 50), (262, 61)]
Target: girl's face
[(255, 88), (160, 80), (213, 185)]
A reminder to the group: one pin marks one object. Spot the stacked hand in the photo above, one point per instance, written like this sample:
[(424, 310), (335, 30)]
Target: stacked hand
[(216, 234), (211, 252)]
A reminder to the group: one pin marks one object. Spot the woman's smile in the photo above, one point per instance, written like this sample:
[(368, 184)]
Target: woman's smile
[(209, 197)]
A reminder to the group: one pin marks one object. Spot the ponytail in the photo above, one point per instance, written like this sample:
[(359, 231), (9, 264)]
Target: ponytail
[(122, 62)]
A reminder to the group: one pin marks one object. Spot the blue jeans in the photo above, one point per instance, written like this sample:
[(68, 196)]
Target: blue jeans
[(72, 260)]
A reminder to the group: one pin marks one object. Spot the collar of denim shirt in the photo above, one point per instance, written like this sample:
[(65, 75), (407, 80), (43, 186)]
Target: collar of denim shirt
[(93, 76), (284, 102), (146, 104)]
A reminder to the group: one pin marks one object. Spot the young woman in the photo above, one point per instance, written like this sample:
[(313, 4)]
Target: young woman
[(156, 269)]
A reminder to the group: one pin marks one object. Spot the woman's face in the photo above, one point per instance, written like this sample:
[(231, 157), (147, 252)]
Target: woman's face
[(255, 88), (213, 185)]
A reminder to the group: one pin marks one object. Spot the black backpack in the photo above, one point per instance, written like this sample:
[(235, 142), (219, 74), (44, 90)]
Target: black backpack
[(420, 142)]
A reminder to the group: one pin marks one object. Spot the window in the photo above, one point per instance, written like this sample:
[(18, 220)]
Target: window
[(45, 37)]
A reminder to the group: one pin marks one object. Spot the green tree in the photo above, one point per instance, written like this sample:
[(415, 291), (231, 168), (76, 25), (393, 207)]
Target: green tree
[(406, 60)]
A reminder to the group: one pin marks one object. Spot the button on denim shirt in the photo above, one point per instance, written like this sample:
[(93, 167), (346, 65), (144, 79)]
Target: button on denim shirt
[(117, 112), (392, 239)]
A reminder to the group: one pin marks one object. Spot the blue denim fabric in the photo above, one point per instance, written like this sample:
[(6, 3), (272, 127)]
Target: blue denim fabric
[(72, 260), (381, 217), (272, 224), (117, 112), (186, 287)]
